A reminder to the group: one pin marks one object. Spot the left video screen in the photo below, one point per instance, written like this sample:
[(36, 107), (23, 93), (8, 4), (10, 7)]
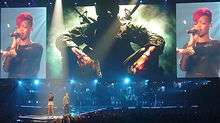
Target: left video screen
[(23, 43)]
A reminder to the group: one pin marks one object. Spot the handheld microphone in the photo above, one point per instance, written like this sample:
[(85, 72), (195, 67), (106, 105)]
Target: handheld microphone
[(15, 34), (193, 31)]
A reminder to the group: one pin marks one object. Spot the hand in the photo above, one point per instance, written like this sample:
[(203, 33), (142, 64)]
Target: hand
[(10, 53), (186, 51), (1, 53), (139, 65), (83, 59)]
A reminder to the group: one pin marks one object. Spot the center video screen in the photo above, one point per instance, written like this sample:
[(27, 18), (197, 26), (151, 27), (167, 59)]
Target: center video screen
[(112, 42)]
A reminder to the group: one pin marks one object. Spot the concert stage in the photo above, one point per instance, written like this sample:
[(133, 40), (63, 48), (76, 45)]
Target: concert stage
[(38, 118), (172, 114)]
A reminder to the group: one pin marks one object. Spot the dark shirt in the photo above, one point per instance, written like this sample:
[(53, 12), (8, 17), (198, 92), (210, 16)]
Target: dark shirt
[(51, 97), (205, 62), (26, 63)]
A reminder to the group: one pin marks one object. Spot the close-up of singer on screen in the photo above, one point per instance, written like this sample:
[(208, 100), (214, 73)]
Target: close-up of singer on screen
[(199, 56), (22, 58)]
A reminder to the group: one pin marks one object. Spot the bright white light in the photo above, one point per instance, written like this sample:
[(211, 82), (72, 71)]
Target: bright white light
[(179, 85), (95, 81), (162, 88), (20, 82), (184, 22), (127, 80), (8, 25), (72, 81), (87, 89), (36, 82), (146, 82)]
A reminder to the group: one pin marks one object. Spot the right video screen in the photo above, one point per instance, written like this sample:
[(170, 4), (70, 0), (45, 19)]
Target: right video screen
[(198, 40)]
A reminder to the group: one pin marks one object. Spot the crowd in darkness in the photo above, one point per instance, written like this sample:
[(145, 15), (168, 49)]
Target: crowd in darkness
[(153, 115)]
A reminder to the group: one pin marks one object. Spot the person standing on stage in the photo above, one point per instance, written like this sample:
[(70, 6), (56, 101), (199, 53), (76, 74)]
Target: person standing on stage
[(66, 101), (200, 56), (22, 58), (51, 104)]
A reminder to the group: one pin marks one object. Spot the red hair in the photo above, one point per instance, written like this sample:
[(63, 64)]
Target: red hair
[(202, 12), (24, 16)]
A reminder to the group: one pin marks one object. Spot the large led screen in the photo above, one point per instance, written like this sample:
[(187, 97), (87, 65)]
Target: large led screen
[(198, 35), (111, 42), (23, 42)]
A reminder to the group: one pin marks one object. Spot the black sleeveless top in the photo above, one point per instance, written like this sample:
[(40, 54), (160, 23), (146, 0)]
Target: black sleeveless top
[(26, 63), (206, 60)]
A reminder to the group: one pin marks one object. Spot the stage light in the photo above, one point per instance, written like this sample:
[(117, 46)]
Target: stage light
[(31, 91), (36, 82), (127, 80), (20, 82), (95, 81), (112, 84), (5, 2), (141, 1), (37, 102), (146, 82), (179, 85), (29, 101), (56, 28), (72, 81), (87, 89), (162, 88)]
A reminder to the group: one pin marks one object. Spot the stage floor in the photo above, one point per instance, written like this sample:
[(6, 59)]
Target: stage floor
[(38, 118)]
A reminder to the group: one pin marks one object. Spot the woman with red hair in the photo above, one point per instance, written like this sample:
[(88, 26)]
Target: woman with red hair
[(22, 60), (200, 56)]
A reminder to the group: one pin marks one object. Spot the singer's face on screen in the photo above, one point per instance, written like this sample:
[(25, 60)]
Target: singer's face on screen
[(24, 29), (203, 24)]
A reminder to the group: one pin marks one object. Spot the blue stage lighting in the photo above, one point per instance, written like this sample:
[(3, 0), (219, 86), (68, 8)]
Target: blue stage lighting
[(127, 80), (112, 84), (146, 82), (162, 88), (95, 81), (20, 82), (36, 82), (179, 85), (72, 81), (87, 89)]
